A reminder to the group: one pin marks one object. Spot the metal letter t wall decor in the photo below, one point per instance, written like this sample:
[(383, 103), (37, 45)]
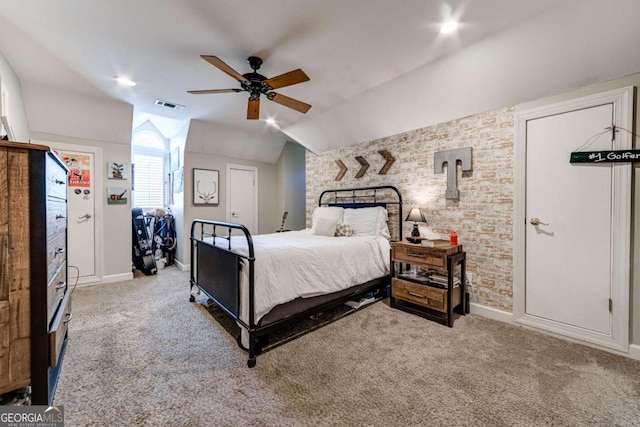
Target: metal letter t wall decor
[(451, 158)]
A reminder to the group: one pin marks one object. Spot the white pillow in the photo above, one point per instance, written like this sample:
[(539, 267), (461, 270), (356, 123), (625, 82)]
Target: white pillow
[(367, 221), (325, 227), (327, 212)]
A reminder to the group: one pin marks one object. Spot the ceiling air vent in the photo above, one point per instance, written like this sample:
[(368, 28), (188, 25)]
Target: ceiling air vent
[(171, 105)]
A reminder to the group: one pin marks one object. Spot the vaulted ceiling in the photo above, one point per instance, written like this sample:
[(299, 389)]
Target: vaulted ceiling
[(376, 66)]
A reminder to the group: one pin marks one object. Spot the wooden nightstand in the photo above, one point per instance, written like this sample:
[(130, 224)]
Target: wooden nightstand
[(426, 298)]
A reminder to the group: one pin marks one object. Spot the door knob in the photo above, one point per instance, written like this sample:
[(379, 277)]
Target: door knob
[(85, 216), (536, 221), (234, 214)]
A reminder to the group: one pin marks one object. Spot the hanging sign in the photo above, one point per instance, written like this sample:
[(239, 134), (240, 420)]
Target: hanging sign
[(614, 156)]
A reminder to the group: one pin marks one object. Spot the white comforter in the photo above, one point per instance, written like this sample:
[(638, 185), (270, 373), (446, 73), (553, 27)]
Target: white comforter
[(301, 264)]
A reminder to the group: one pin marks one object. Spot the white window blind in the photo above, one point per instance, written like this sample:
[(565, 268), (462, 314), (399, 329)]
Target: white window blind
[(148, 180)]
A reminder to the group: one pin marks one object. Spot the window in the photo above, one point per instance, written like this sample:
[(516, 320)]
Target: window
[(148, 158)]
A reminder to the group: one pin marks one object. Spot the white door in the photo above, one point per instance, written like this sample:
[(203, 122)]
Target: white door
[(81, 210), (242, 196), (568, 275), (573, 227)]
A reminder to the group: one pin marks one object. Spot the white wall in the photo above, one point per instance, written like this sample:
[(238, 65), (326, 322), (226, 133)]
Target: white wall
[(179, 141), (264, 145), (292, 185), (60, 112), (17, 114), (268, 218)]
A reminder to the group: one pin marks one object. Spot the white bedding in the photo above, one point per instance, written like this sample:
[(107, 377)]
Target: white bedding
[(301, 264)]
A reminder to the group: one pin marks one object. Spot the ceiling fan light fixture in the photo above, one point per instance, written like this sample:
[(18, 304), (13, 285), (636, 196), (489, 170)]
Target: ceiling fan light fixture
[(449, 27), (124, 81), (257, 85)]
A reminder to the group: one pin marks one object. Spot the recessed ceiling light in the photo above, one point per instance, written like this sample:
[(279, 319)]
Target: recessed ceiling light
[(272, 122), (448, 27), (124, 81)]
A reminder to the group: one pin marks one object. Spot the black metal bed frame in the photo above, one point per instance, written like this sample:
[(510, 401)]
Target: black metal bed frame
[(216, 270)]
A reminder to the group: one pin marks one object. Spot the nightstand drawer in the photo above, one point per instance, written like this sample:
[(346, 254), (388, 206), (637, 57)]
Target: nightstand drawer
[(425, 296), (420, 255)]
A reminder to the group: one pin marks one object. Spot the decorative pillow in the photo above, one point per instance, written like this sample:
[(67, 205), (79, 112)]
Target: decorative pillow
[(325, 227), (367, 221), (343, 230), (327, 212)]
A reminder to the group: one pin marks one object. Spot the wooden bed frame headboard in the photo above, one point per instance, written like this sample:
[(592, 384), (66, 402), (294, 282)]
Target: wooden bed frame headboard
[(386, 196)]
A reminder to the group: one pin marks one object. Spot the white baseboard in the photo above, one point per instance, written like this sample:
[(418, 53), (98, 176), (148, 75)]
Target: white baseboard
[(507, 317), (491, 313), (117, 277), (105, 279), (634, 351), (183, 267)]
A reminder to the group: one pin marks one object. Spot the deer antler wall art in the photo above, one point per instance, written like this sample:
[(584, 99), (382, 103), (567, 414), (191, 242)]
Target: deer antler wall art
[(205, 187)]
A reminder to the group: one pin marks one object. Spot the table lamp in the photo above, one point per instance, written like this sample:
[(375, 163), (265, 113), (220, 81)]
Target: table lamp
[(415, 215)]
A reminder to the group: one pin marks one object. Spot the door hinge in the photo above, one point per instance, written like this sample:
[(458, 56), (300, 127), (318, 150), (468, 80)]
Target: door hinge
[(610, 305)]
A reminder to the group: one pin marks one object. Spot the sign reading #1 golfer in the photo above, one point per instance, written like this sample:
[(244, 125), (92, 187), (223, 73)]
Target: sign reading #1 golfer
[(615, 156)]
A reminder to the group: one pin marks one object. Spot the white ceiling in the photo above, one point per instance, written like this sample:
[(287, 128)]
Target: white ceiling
[(346, 47)]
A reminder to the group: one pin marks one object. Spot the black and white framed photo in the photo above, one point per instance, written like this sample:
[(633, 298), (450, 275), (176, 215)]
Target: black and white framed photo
[(205, 187)]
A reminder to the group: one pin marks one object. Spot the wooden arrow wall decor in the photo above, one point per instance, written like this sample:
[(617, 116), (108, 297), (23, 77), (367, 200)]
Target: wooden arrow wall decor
[(389, 158), (364, 166), (343, 170)]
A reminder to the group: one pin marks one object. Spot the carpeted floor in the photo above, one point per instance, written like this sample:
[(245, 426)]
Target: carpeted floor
[(141, 354)]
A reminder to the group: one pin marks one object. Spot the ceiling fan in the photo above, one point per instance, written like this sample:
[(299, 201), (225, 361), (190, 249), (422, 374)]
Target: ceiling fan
[(257, 84)]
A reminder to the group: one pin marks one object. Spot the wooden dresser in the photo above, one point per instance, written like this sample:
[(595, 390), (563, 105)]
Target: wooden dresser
[(35, 302)]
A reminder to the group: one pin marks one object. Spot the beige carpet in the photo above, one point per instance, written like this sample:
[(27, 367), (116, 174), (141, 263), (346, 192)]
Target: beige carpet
[(141, 354)]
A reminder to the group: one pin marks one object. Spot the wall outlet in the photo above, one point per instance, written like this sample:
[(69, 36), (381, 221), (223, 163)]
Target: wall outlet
[(469, 282)]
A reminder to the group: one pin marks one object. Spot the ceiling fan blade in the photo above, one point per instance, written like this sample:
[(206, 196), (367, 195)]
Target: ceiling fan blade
[(201, 92), (217, 62), (253, 109), (287, 79), (290, 102)]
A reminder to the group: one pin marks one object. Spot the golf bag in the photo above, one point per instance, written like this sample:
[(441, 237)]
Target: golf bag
[(142, 253), (164, 237)]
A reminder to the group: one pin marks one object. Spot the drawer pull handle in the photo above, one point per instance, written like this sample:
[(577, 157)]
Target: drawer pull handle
[(60, 217), (60, 182), (68, 319), (413, 294), (60, 251), (61, 284), (416, 255)]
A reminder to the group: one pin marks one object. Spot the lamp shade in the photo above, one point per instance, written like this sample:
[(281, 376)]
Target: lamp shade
[(415, 215)]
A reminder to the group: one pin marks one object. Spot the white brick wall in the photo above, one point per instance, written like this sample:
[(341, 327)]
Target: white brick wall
[(483, 217)]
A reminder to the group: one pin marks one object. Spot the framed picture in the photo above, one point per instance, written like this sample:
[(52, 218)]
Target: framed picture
[(174, 160), (117, 170), (205, 187), (178, 181), (116, 195)]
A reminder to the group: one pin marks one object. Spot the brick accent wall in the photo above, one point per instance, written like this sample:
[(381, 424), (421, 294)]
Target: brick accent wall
[(482, 217)]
